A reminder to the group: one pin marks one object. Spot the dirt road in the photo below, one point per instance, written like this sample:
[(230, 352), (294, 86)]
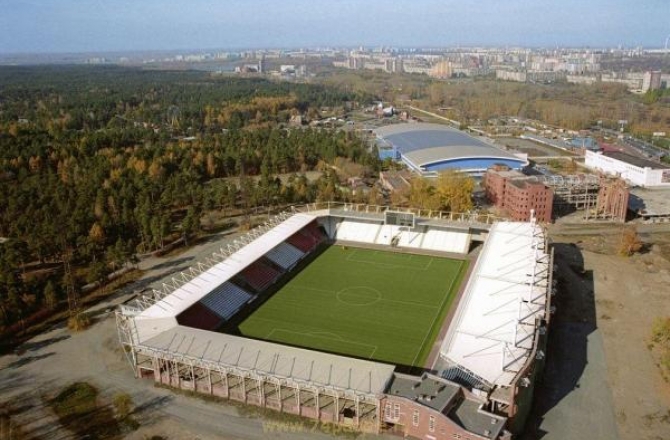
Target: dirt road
[(600, 369)]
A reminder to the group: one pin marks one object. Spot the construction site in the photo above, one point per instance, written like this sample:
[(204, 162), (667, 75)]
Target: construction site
[(551, 196), (599, 197)]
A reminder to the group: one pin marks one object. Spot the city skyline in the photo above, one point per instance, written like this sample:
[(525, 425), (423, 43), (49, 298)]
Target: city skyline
[(58, 26)]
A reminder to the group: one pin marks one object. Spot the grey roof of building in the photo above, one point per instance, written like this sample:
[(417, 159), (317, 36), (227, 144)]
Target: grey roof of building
[(424, 143), (430, 391), (524, 182), (510, 174), (446, 397), (468, 415), (636, 161), (276, 360)]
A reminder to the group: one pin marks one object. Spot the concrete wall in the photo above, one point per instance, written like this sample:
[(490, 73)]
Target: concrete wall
[(640, 176)]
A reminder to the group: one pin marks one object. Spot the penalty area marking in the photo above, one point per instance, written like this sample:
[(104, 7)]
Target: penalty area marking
[(320, 335), (389, 265)]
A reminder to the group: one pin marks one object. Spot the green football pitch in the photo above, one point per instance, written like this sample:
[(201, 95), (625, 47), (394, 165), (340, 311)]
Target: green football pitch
[(369, 304)]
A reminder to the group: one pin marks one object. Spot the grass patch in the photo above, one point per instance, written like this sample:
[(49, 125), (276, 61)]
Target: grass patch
[(660, 345), (79, 409), (80, 321), (370, 304)]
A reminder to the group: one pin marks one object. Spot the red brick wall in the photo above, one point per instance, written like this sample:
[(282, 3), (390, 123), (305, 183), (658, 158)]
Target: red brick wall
[(494, 186), (401, 413), (518, 201)]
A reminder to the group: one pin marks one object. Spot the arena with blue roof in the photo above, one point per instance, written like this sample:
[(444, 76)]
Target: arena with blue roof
[(430, 148)]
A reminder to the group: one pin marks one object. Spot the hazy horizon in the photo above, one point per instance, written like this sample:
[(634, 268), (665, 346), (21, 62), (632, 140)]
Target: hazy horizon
[(75, 26)]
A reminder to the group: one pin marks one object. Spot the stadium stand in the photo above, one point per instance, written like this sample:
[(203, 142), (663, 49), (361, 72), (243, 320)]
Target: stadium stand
[(285, 255), (307, 238), (413, 238), (226, 300), (387, 233), (199, 316), (301, 241), (446, 241), (259, 275), (357, 231), (314, 231)]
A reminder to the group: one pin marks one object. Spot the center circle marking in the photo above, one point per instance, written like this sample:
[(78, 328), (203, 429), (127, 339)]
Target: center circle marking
[(359, 296)]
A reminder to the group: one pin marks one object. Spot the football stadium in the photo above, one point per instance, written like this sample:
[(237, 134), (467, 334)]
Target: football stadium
[(417, 323), (430, 148)]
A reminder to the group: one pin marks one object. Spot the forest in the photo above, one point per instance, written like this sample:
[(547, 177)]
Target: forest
[(570, 106), (100, 164)]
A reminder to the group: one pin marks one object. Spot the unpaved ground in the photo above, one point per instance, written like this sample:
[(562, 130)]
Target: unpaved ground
[(628, 294), (608, 380), (532, 148)]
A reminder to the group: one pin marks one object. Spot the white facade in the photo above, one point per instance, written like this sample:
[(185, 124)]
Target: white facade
[(636, 175)]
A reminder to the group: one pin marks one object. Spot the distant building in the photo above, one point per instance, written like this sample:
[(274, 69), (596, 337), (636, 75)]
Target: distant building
[(631, 80), (651, 80), (441, 70), (355, 63), (428, 149), (247, 68), (582, 79), (507, 75), (287, 68), (416, 66), (637, 171), (517, 195), (540, 76), (393, 65)]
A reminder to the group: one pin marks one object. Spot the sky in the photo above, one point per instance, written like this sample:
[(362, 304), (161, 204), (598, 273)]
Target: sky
[(56, 26)]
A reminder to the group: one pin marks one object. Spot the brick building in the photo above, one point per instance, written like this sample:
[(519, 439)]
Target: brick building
[(517, 195), (613, 197), (430, 407)]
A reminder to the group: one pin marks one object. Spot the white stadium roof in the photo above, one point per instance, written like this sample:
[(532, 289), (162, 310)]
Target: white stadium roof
[(194, 290), (492, 333), (269, 359)]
